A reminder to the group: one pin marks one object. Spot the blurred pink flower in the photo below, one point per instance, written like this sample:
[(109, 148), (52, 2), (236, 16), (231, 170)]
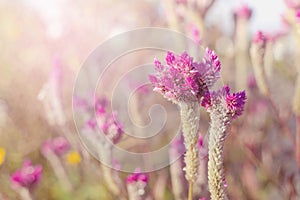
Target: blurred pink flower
[(58, 145), (292, 3), (108, 122), (298, 15), (251, 81), (195, 33), (50, 95), (27, 176), (260, 38)]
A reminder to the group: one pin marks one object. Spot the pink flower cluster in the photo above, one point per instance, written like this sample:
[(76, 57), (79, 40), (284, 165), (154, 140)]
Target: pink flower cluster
[(137, 177), (58, 145), (182, 79), (234, 102), (27, 176)]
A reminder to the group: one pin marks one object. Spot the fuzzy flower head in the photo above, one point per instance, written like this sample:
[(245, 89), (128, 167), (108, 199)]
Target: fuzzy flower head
[(58, 145), (183, 80), (27, 176), (233, 103)]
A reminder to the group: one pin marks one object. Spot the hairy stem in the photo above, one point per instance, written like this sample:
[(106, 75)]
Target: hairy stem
[(190, 119), (216, 178)]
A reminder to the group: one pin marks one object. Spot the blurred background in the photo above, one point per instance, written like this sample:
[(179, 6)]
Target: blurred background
[(44, 43)]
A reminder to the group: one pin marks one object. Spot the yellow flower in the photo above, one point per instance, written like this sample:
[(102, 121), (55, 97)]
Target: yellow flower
[(73, 158), (2, 155)]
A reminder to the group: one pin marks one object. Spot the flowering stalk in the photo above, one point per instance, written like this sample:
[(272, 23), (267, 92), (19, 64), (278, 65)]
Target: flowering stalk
[(184, 82), (111, 133), (53, 148), (257, 52), (51, 97), (223, 107), (242, 16)]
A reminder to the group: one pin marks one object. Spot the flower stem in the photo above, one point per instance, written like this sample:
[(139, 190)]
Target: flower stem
[(25, 194), (216, 178), (190, 119), (190, 197), (59, 171)]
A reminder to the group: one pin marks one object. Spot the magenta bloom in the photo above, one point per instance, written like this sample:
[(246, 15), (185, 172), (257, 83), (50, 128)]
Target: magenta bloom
[(234, 102), (243, 11), (137, 177), (260, 38), (27, 176), (182, 79), (58, 145)]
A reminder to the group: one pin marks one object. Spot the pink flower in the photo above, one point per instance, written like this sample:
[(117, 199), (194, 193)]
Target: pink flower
[(27, 176), (260, 38), (137, 177), (182, 79), (298, 15), (195, 33), (58, 145), (234, 102), (243, 11)]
